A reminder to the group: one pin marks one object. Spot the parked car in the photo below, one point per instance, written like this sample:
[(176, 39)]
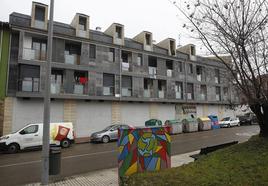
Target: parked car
[(110, 133), (248, 119), (229, 122), (31, 136), (153, 123)]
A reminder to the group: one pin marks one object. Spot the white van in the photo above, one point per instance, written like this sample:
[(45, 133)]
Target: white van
[(31, 136)]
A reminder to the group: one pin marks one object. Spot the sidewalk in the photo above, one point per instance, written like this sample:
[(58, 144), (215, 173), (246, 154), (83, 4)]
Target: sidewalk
[(110, 176)]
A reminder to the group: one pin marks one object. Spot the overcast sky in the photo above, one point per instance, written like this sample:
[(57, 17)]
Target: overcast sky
[(157, 16)]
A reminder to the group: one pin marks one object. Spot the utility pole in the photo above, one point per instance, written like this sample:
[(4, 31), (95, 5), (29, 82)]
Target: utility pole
[(46, 119)]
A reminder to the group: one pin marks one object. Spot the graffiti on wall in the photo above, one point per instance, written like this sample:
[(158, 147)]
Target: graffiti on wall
[(143, 149)]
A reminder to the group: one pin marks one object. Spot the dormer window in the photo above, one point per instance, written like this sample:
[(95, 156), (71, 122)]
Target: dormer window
[(82, 23), (118, 32), (40, 13), (147, 39), (172, 47)]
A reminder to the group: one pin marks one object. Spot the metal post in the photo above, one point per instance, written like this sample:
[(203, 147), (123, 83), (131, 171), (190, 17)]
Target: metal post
[(46, 119)]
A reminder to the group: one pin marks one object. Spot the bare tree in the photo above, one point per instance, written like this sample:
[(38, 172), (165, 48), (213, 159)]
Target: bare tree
[(237, 28)]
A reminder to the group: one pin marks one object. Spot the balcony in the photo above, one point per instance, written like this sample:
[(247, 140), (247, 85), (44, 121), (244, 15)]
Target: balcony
[(108, 91), (31, 54), (127, 92)]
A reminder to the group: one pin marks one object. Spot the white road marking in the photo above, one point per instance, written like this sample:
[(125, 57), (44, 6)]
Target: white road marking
[(66, 157)]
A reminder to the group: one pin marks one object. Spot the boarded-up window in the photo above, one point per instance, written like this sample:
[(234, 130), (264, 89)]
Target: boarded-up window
[(127, 81)]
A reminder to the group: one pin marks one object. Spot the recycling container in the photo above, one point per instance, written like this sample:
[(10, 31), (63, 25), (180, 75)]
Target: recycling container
[(175, 126), (190, 125), (204, 123), (215, 121)]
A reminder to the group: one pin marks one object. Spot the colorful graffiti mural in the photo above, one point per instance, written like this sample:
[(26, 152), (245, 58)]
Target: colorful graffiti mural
[(143, 149)]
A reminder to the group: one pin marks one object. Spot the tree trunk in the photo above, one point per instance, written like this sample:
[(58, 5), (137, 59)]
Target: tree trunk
[(261, 112)]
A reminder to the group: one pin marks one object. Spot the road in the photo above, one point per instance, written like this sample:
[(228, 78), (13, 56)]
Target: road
[(24, 167)]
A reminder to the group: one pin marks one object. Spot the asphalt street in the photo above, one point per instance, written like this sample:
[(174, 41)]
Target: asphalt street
[(24, 167)]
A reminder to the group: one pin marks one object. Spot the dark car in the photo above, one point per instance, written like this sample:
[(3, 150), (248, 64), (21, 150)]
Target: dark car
[(248, 119)]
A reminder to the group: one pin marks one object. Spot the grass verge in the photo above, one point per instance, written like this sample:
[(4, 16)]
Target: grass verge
[(242, 164)]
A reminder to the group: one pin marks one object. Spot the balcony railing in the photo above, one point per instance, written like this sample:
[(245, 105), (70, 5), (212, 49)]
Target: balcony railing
[(218, 97), (108, 91), (178, 95), (161, 94), (126, 92), (125, 66), (169, 73), (147, 93), (31, 54), (152, 72), (29, 84), (203, 97), (39, 24), (189, 96), (72, 59), (56, 88)]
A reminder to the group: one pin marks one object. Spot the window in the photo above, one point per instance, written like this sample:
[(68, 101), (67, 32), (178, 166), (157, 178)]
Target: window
[(225, 93), (140, 60), (82, 23), (39, 47), (108, 84), (172, 47), (203, 92), (190, 91), (199, 73), (190, 68), (72, 53), (126, 85), (152, 61), (29, 78), (148, 86), (148, 39), (169, 64), (56, 81), (92, 51), (179, 90), (81, 82), (180, 69), (217, 76), (192, 50), (118, 31), (161, 88), (30, 130), (39, 13), (218, 93), (111, 55)]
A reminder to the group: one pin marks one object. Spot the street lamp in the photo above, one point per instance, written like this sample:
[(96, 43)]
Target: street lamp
[(46, 118)]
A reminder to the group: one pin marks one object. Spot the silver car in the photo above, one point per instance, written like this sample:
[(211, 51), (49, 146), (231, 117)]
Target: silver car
[(108, 134)]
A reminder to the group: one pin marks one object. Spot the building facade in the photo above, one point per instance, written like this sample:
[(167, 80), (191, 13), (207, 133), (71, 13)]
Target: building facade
[(99, 78)]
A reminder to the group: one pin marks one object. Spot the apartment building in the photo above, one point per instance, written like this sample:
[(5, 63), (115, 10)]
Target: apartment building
[(99, 78)]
